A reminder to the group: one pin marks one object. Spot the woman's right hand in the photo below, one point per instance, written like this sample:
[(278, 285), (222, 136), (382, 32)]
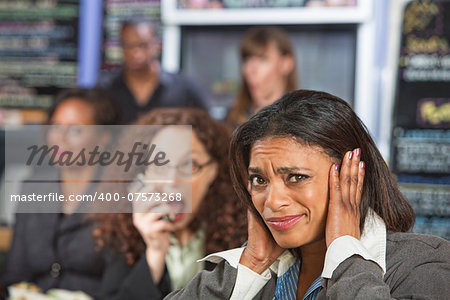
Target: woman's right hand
[(261, 250), (155, 233)]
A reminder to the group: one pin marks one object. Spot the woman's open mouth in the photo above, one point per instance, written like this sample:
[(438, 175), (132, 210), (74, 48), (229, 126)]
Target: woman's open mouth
[(178, 217)]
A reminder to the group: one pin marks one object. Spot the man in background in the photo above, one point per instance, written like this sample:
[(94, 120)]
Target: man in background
[(141, 85)]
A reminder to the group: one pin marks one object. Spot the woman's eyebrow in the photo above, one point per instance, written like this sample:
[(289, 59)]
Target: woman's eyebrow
[(284, 170), (254, 170), (281, 170)]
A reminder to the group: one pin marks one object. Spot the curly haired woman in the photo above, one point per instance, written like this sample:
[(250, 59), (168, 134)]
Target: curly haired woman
[(156, 255)]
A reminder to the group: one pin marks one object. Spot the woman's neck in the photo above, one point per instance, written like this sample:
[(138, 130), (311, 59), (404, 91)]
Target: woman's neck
[(183, 236), (77, 174), (313, 261), (313, 257), (268, 99), (75, 181)]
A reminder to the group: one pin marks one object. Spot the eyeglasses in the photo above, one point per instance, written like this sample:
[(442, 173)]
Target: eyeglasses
[(186, 169), (196, 167)]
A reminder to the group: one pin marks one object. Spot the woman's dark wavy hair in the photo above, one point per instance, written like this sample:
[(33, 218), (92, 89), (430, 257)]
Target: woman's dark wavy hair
[(106, 110), (221, 211), (319, 119)]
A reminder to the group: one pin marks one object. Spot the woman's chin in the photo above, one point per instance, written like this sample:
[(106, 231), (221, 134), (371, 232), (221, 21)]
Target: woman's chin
[(287, 243), (182, 221)]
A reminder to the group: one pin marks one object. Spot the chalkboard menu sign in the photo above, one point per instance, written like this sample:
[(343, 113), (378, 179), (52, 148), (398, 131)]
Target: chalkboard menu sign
[(421, 134), (38, 51), (116, 11)]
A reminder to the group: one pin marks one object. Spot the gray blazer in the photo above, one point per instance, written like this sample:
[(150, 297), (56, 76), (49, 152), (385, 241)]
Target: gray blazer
[(417, 267)]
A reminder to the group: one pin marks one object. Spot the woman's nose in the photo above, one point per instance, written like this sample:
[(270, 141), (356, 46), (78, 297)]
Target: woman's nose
[(172, 178), (277, 197)]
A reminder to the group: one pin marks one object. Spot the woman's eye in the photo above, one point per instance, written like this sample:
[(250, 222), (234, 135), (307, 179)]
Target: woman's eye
[(257, 180), (188, 167), (296, 178)]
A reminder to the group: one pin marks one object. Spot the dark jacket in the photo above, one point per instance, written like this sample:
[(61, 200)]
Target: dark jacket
[(50, 249), (417, 267), (54, 251), (173, 90), (122, 282)]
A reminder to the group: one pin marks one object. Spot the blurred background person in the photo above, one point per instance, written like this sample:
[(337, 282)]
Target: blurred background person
[(57, 250), (141, 85), (158, 255), (268, 70)]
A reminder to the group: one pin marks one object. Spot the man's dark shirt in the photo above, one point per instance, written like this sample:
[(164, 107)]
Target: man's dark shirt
[(173, 90)]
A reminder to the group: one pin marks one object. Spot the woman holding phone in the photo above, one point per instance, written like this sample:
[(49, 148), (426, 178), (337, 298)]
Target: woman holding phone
[(158, 245)]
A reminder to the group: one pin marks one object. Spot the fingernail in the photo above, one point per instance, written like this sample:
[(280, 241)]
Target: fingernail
[(358, 152), (336, 167), (350, 155), (362, 165)]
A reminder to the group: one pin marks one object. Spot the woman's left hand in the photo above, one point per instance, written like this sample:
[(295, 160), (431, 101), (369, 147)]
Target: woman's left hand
[(261, 250), (345, 197)]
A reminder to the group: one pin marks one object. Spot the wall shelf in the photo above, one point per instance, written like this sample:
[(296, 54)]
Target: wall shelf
[(300, 15)]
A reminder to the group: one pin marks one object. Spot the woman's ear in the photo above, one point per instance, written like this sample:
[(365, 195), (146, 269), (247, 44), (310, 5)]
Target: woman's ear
[(287, 64)]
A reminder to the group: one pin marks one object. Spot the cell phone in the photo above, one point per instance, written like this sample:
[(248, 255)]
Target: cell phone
[(168, 218)]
